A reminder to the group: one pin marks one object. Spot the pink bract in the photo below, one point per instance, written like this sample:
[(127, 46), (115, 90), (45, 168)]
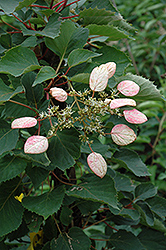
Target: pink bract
[(24, 122), (122, 135), (98, 78), (59, 94), (111, 67), (117, 103), (36, 144), (97, 164), (128, 88), (134, 116)]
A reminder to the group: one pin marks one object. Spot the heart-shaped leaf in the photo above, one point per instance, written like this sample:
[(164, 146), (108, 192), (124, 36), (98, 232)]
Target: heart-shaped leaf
[(36, 144), (134, 116), (97, 164), (99, 78), (122, 135), (117, 103), (128, 88), (24, 122)]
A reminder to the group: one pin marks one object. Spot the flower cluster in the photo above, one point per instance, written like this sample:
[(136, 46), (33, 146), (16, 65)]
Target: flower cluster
[(87, 111)]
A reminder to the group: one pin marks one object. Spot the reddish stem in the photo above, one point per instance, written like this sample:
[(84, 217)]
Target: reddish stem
[(10, 25), (60, 84), (49, 85), (90, 148), (13, 32), (61, 180), (59, 8), (68, 17), (110, 226), (72, 3), (57, 4), (67, 71), (26, 25), (39, 127), (39, 6), (43, 54)]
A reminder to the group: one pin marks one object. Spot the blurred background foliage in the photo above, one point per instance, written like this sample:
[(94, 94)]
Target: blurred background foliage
[(148, 54)]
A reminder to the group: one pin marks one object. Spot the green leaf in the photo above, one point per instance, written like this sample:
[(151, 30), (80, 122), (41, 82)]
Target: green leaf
[(37, 175), (33, 221), (148, 90), (64, 148), (144, 191), (8, 137), (69, 39), (82, 77), (33, 94), (18, 61), (9, 6), (96, 189), (79, 56), (129, 159), (158, 206), (123, 240), (15, 110), (75, 240), (52, 28), (24, 3), (146, 213), (112, 32), (111, 54), (66, 216), (44, 74), (87, 206), (10, 167), (45, 204), (152, 240), (97, 147), (123, 183), (6, 93), (11, 210)]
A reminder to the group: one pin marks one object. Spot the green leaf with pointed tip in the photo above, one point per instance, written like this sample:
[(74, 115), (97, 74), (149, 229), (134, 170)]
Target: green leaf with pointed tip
[(52, 28), (148, 90), (18, 61), (112, 32), (44, 74), (6, 93), (129, 159), (9, 6), (94, 188), (79, 56), (33, 94), (10, 167), (45, 204), (82, 77), (158, 206), (144, 191), (24, 3), (66, 216), (123, 240), (8, 137), (75, 240), (70, 38), (146, 213), (152, 240), (123, 183), (10, 207), (64, 148)]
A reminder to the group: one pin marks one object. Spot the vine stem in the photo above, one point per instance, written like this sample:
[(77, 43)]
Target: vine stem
[(57, 225), (57, 4), (24, 105), (159, 131), (66, 183)]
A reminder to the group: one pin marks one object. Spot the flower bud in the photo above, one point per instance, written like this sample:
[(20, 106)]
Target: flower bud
[(111, 67), (98, 78), (59, 94), (97, 164)]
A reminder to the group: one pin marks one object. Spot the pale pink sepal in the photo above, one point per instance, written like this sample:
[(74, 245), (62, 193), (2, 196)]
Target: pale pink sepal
[(128, 88), (36, 144), (59, 94), (122, 135), (98, 78), (24, 122), (134, 116), (117, 103), (111, 67), (97, 164)]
